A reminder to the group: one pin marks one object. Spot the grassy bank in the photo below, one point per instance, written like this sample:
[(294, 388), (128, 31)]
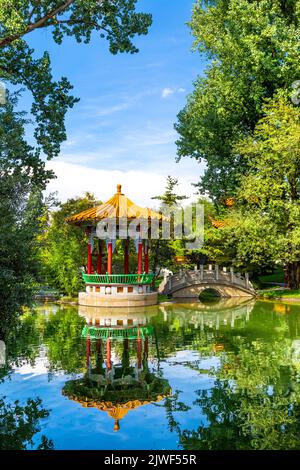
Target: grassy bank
[(284, 294), (274, 278)]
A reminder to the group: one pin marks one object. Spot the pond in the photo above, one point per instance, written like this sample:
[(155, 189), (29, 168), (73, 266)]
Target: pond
[(221, 375)]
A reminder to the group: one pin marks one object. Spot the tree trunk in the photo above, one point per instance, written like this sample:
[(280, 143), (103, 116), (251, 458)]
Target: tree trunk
[(293, 275)]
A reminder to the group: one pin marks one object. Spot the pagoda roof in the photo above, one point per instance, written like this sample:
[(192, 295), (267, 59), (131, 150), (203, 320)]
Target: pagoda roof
[(117, 207), (78, 392)]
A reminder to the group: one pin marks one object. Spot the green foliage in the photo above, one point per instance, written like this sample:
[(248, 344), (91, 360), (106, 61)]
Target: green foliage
[(271, 190), (64, 246), (275, 277), (169, 198), (163, 251), (23, 177), (22, 342), (254, 403), (116, 21), (213, 249), (66, 350), (254, 400), (280, 294), (253, 47), (148, 388), (262, 229), (19, 424)]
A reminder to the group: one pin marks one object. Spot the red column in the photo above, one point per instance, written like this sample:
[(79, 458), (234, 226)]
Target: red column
[(146, 257), (109, 257), (140, 257), (99, 257), (139, 350), (126, 257), (108, 354), (89, 257)]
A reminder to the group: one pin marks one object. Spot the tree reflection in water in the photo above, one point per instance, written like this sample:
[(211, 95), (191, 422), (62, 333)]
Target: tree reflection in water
[(19, 424), (250, 400), (254, 402)]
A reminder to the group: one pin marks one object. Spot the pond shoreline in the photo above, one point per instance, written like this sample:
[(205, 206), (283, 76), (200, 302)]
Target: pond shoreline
[(260, 296)]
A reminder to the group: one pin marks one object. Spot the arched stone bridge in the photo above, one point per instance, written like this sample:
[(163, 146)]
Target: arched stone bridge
[(190, 284)]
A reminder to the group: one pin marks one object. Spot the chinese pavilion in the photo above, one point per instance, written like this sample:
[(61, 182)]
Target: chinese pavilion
[(103, 287)]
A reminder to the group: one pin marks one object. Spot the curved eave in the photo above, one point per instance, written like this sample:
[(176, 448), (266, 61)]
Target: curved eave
[(117, 207), (95, 214)]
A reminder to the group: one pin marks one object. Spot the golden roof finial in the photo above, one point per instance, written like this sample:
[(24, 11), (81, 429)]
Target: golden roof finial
[(116, 425), (119, 188)]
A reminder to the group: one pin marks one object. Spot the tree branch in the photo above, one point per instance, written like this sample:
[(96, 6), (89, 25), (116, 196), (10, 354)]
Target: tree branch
[(37, 24), (73, 22)]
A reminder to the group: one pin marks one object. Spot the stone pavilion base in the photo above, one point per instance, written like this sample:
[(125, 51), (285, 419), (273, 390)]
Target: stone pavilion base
[(95, 299)]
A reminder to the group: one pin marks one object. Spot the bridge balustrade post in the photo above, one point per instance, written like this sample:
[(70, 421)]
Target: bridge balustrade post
[(217, 272), (231, 275), (246, 279), (201, 272)]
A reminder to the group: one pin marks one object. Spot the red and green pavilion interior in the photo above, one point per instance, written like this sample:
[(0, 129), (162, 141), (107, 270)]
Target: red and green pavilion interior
[(118, 208)]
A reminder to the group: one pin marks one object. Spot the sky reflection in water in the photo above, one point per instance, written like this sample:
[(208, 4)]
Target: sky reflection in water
[(219, 376)]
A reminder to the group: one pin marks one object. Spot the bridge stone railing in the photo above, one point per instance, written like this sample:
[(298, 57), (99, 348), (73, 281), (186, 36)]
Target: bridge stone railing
[(205, 275)]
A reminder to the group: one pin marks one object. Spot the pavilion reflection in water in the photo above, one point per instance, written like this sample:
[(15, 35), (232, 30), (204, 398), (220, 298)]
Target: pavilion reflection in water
[(121, 374)]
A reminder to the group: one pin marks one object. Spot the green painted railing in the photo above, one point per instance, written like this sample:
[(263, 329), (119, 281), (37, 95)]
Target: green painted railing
[(118, 278), (94, 332)]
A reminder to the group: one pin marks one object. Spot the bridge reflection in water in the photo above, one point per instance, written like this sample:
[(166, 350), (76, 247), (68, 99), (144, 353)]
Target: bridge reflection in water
[(213, 315)]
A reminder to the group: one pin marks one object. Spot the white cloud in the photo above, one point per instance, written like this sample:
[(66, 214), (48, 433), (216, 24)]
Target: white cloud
[(151, 136), (170, 91), (74, 180), (111, 109), (167, 92)]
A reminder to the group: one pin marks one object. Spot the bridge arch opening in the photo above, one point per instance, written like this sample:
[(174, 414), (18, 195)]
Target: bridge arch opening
[(209, 295)]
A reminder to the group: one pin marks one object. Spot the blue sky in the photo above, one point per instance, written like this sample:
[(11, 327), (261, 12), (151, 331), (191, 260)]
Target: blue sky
[(122, 131)]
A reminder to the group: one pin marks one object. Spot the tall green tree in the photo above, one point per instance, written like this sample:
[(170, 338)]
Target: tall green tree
[(163, 251), (271, 191), (22, 179), (116, 21), (261, 230), (63, 246), (253, 48)]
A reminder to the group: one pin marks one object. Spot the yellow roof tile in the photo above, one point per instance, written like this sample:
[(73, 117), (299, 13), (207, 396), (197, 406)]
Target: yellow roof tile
[(119, 206)]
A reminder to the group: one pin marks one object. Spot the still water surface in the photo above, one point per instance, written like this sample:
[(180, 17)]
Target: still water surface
[(188, 376)]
